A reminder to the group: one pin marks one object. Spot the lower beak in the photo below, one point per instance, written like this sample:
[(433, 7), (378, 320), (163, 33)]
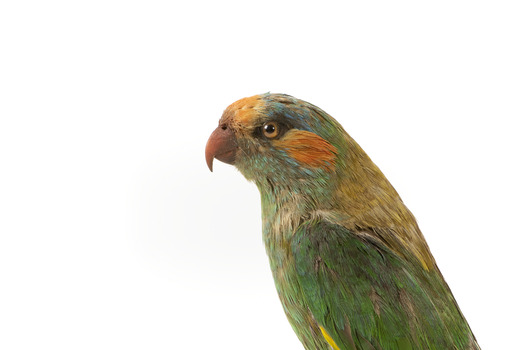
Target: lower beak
[(222, 145)]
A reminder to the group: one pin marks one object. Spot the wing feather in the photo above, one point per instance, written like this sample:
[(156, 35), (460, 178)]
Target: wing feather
[(366, 296)]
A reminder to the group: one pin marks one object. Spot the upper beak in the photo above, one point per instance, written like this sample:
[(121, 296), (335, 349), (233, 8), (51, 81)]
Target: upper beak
[(222, 145)]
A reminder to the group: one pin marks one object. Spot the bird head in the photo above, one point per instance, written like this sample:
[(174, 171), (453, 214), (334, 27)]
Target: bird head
[(279, 141)]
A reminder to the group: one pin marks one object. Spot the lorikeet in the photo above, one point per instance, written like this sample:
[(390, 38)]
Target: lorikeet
[(350, 264)]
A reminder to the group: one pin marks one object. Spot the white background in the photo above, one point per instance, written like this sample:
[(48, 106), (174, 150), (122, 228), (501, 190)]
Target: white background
[(114, 234)]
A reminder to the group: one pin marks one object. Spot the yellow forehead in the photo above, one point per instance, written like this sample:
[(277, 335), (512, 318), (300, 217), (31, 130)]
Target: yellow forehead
[(244, 110)]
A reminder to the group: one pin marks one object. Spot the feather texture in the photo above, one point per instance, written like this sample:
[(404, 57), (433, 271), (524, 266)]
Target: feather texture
[(350, 265)]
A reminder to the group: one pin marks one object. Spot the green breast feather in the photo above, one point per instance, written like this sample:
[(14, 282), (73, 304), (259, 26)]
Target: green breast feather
[(367, 297)]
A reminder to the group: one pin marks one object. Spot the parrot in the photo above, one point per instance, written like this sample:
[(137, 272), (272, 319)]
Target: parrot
[(351, 267)]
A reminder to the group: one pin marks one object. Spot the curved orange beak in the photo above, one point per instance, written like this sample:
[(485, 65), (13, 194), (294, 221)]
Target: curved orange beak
[(222, 145)]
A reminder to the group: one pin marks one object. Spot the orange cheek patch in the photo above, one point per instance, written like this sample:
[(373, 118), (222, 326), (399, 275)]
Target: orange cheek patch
[(308, 149)]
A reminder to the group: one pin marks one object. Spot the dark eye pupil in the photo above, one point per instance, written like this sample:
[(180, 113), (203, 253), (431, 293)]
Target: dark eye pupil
[(270, 129)]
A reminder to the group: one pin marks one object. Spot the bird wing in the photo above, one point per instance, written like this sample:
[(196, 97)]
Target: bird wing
[(365, 296)]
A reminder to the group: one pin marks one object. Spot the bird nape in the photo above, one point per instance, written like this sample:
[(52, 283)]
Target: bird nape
[(350, 265)]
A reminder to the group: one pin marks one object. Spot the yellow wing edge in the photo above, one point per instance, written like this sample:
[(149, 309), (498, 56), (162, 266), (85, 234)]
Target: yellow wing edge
[(329, 339)]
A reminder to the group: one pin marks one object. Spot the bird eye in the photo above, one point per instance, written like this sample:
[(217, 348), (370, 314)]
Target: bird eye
[(270, 130)]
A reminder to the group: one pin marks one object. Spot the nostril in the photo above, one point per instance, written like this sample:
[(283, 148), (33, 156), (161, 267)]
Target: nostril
[(224, 127)]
